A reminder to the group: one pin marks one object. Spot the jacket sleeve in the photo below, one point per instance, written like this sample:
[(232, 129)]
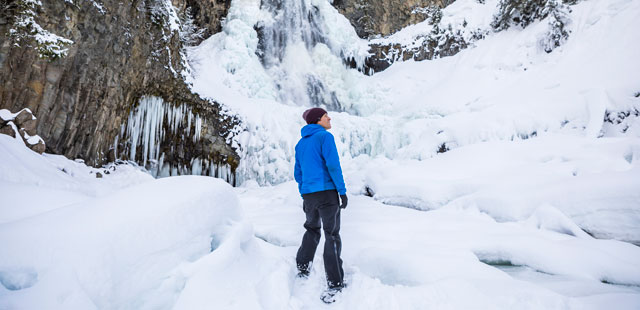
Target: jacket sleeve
[(297, 172), (332, 160)]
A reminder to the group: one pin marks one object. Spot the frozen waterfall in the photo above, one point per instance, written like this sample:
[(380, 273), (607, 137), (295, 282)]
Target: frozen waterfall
[(274, 59), (302, 53), (296, 52)]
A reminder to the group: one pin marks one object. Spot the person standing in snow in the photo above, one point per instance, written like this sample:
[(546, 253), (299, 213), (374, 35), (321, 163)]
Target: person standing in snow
[(320, 182)]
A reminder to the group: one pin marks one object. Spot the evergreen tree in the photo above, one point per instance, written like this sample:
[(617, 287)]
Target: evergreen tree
[(190, 33), (558, 21), (518, 12), (524, 12)]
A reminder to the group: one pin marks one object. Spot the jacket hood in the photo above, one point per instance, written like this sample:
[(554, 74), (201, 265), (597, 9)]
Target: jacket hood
[(311, 129)]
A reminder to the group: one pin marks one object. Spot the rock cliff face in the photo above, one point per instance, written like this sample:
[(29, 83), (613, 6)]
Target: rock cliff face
[(379, 18), (373, 18), (83, 66), (440, 42)]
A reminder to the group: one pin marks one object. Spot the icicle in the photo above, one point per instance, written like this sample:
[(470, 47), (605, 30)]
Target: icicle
[(146, 129), (160, 166), (198, 129), (189, 116), (115, 146), (196, 166), (212, 170)]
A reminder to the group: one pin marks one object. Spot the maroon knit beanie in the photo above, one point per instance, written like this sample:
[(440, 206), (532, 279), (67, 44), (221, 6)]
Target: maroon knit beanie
[(313, 115)]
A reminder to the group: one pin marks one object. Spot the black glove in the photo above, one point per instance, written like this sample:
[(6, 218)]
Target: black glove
[(344, 200)]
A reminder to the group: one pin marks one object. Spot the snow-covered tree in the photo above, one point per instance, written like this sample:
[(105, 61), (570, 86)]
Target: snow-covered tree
[(25, 30), (517, 12), (559, 20), (190, 33), (449, 40), (524, 12)]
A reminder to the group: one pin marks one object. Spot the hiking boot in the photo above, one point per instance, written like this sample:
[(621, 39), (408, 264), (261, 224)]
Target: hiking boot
[(303, 274), (330, 295), (304, 270)]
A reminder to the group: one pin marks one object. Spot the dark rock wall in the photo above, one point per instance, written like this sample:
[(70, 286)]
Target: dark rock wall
[(373, 18), (121, 51)]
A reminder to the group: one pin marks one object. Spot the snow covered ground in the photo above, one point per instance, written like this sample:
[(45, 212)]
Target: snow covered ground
[(127, 241), (399, 258), (535, 206)]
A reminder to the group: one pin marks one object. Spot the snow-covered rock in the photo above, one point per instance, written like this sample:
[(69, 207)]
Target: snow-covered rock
[(22, 124)]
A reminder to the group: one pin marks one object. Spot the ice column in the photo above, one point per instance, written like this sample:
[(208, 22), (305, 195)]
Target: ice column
[(146, 127)]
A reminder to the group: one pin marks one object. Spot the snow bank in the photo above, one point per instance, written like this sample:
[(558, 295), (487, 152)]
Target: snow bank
[(243, 273), (113, 252), (592, 181), (57, 180)]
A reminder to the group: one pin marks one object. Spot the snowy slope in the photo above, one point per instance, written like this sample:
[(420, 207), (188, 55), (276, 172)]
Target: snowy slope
[(508, 89)]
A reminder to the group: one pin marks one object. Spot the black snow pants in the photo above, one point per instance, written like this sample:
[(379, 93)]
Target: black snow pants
[(323, 205)]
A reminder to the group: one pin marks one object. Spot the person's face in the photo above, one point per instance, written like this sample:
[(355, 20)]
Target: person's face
[(325, 121)]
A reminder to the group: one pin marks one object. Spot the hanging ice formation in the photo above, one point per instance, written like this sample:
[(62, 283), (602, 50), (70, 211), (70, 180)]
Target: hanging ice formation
[(145, 126), (162, 138), (305, 52)]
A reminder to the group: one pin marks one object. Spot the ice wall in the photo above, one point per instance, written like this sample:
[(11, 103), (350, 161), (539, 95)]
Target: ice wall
[(165, 139), (147, 128)]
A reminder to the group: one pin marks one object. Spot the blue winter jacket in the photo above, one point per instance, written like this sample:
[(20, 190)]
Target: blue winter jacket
[(317, 162)]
